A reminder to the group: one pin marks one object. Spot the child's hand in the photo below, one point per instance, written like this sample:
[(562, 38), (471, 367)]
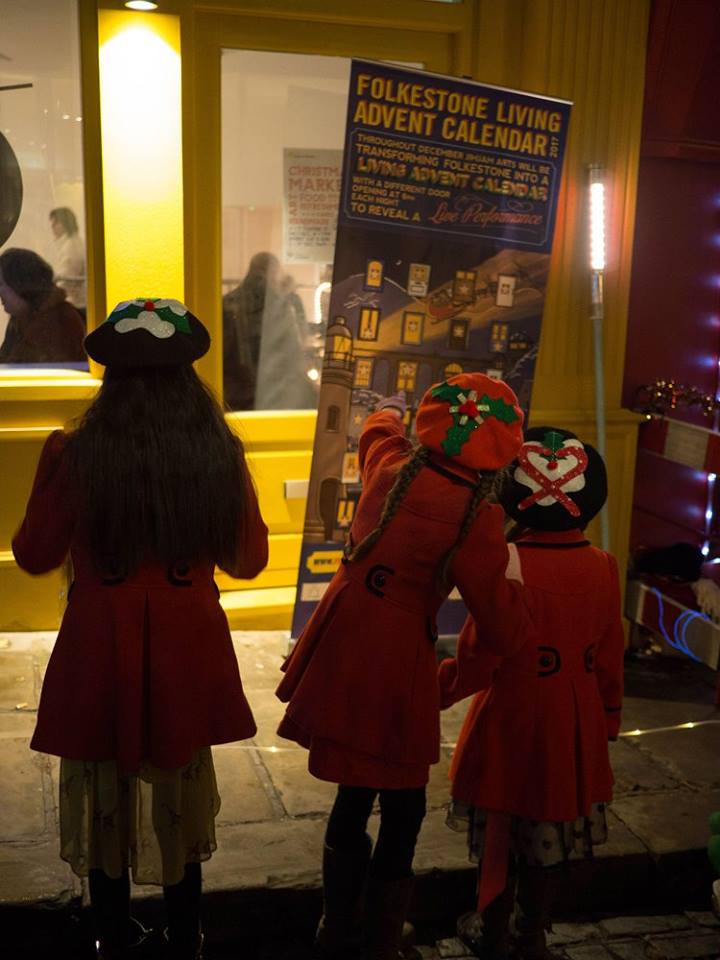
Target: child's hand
[(397, 403)]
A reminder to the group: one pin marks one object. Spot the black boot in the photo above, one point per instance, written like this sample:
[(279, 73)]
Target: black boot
[(110, 902), (344, 879), (532, 921), (182, 903), (387, 907), (488, 935)]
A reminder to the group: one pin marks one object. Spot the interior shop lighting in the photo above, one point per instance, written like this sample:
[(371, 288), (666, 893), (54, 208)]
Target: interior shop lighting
[(144, 5), (320, 289)]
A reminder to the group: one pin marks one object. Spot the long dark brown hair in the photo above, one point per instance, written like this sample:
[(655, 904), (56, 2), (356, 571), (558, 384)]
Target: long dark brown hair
[(485, 487), (159, 473)]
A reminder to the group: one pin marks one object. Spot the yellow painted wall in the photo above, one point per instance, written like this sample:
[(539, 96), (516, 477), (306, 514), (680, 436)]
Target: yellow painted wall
[(588, 51), (140, 111)]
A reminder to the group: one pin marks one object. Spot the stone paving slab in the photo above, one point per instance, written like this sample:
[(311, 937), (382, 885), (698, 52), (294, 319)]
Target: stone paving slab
[(33, 873), (592, 951), (685, 947), (642, 926), (244, 797), (673, 822)]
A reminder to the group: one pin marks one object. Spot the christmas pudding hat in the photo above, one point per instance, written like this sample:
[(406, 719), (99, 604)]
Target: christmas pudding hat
[(471, 419), (148, 332), (557, 482)]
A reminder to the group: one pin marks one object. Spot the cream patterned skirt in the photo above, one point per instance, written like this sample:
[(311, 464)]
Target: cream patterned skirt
[(536, 843), (154, 821)]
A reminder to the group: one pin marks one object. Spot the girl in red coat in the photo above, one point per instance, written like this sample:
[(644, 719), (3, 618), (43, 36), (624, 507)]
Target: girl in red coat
[(531, 772), (361, 684), (146, 494)]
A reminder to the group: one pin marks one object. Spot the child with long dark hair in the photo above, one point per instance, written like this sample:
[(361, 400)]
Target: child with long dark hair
[(147, 494), (361, 683), (531, 772)]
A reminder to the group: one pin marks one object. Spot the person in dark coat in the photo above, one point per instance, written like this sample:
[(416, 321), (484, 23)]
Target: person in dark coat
[(43, 327), (531, 771), (244, 310), (361, 684), (147, 494)]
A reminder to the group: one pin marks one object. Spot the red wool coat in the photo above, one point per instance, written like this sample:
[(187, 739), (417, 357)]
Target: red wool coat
[(362, 680), (143, 669), (534, 742)]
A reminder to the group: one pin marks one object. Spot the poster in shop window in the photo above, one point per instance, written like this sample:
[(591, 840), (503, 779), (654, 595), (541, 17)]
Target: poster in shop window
[(447, 207), (311, 187)]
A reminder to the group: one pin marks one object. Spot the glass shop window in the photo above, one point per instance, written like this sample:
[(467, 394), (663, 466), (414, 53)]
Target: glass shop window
[(283, 126), (42, 229)]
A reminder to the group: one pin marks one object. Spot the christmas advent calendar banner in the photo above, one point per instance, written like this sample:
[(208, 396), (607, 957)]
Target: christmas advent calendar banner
[(447, 207)]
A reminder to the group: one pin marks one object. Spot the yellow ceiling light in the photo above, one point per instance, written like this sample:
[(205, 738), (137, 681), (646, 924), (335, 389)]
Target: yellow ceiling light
[(140, 5)]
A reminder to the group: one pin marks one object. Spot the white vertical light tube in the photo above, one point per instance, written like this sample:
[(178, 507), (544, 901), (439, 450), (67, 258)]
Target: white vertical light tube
[(597, 313)]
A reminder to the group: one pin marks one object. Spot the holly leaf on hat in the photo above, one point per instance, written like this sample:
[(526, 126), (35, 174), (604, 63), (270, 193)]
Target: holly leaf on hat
[(444, 391), (499, 408), (456, 437)]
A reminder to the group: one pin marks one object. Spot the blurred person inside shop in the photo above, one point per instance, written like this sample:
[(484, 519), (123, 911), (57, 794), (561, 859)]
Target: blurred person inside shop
[(69, 256), (43, 326), (263, 357)]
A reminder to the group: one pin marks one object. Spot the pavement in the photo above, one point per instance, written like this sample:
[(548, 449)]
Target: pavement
[(263, 883)]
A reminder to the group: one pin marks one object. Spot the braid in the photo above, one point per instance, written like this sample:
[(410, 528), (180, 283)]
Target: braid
[(483, 491), (410, 469)]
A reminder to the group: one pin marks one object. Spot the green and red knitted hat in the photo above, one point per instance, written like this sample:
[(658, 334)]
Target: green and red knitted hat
[(557, 482), (148, 332), (473, 420)]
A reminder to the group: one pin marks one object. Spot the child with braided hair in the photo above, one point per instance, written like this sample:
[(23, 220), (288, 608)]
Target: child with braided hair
[(361, 683)]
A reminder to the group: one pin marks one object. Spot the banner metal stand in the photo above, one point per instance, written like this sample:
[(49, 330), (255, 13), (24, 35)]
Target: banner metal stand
[(597, 315)]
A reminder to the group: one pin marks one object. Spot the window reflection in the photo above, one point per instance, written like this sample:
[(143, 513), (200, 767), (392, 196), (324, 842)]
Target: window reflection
[(43, 327), (283, 124), (265, 340), (42, 252)]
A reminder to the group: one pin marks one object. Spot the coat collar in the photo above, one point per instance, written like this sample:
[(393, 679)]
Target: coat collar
[(465, 474), (557, 538)]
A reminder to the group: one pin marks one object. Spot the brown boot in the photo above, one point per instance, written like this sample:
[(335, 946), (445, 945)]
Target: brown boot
[(344, 878), (387, 906), (532, 921)]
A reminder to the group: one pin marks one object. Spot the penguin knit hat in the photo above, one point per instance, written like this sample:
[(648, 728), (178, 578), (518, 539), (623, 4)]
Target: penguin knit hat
[(473, 420), (557, 482), (148, 332)]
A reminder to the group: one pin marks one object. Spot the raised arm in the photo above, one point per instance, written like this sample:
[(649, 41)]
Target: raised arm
[(610, 655), (43, 539), (383, 435), (480, 570)]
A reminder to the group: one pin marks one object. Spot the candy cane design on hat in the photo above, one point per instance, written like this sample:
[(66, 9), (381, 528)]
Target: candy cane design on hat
[(552, 469)]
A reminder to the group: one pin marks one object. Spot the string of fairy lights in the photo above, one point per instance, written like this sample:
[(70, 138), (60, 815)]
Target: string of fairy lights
[(661, 397)]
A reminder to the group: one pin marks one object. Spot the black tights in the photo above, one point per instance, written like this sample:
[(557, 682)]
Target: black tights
[(401, 816), (110, 900)]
